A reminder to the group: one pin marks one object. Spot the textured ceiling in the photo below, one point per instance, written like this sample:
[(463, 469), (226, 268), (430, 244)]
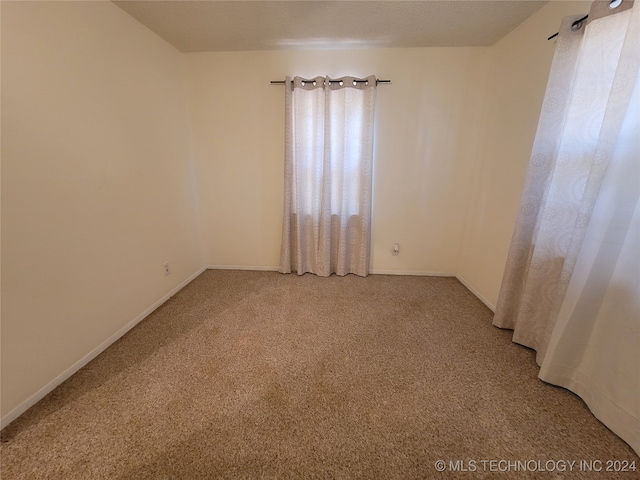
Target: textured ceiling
[(208, 26)]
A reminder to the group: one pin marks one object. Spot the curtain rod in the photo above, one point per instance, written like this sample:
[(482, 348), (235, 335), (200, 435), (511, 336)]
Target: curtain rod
[(281, 82), (575, 26)]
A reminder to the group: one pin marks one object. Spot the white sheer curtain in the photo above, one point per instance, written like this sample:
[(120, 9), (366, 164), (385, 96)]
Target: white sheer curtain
[(571, 288), (328, 170)]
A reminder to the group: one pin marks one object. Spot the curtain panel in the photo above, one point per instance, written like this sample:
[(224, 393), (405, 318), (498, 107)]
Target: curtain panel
[(571, 287), (329, 127)]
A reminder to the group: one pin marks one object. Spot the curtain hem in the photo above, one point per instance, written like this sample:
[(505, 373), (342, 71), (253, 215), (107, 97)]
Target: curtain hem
[(613, 416)]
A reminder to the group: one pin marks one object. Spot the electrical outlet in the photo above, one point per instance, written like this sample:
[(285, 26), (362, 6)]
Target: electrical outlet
[(396, 249), (167, 270)]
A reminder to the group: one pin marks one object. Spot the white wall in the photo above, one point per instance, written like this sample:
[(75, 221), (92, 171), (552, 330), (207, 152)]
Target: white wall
[(97, 185), (427, 127), (518, 69)]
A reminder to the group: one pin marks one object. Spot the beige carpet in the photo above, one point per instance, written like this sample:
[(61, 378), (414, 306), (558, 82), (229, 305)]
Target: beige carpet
[(262, 375)]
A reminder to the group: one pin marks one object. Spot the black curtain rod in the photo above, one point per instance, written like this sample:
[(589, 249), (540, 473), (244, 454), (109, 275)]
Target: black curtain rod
[(281, 82), (575, 25)]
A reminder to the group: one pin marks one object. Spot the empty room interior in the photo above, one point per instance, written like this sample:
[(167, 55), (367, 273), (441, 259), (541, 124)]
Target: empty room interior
[(320, 239)]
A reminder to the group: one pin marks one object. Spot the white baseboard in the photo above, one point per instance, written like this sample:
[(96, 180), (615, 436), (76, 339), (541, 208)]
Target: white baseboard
[(412, 273), (473, 290), (276, 268), (44, 391), (260, 268)]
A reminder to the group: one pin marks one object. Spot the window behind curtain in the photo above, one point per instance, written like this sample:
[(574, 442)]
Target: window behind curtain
[(328, 166)]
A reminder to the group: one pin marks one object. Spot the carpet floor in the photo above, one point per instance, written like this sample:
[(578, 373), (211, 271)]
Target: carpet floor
[(258, 375)]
